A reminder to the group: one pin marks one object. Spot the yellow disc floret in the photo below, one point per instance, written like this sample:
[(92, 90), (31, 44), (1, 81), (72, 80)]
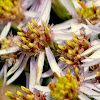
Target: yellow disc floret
[(92, 14), (66, 87)]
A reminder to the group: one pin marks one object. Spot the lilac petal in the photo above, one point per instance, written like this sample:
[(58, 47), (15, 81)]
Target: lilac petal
[(89, 92), (19, 71), (16, 65), (49, 72), (64, 25), (44, 9), (10, 61), (30, 14), (42, 88), (91, 75), (5, 30), (52, 62), (33, 72), (86, 69), (9, 50), (91, 63), (91, 50), (83, 97), (40, 63), (91, 86), (5, 76), (69, 7)]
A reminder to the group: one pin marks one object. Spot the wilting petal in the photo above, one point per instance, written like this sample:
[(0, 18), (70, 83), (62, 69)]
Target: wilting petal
[(52, 62), (16, 65), (91, 50), (42, 88), (83, 97), (40, 63), (19, 71), (90, 92), (5, 76), (33, 73), (5, 30), (10, 62), (9, 50)]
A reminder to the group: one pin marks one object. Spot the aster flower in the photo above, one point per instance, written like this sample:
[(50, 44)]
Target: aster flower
[(28, 95), (34, 42), (71, 86), (15, 13)]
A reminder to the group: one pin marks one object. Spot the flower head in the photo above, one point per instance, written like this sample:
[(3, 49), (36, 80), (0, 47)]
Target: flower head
[(11, 10), (71, 51), (28, 95), (36, 38), (91, 14), (66, 87)]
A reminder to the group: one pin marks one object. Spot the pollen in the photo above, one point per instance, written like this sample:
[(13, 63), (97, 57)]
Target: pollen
[(28, 95), (36, 37), (72, 50), (66, 87), (11, 10), (92, 14)]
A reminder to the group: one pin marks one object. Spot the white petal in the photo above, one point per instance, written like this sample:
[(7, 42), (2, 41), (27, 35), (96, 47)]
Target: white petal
[(91, 75), (30, 14), (95, 42), (69, 7), (90, 92), (40, 64), (91, 50), (33, 72), (64, 25), (91, 63), (44, 9), (19, 71), (52, 62), (5, 30), (83, 97), (42, 88), (91, 86), (16, 65), (5, 76), (9, 50), (1, 72)]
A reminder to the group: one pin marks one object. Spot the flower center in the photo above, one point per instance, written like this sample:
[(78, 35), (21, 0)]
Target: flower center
[(92, 14), (28, 96), (36, 38), (11, 10), (66, 87), (71, 51)]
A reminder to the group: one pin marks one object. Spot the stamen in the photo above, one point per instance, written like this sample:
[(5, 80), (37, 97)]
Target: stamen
[(82, 4)]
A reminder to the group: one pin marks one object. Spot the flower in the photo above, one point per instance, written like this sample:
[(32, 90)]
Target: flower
[(71, 86), (28, 95)]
